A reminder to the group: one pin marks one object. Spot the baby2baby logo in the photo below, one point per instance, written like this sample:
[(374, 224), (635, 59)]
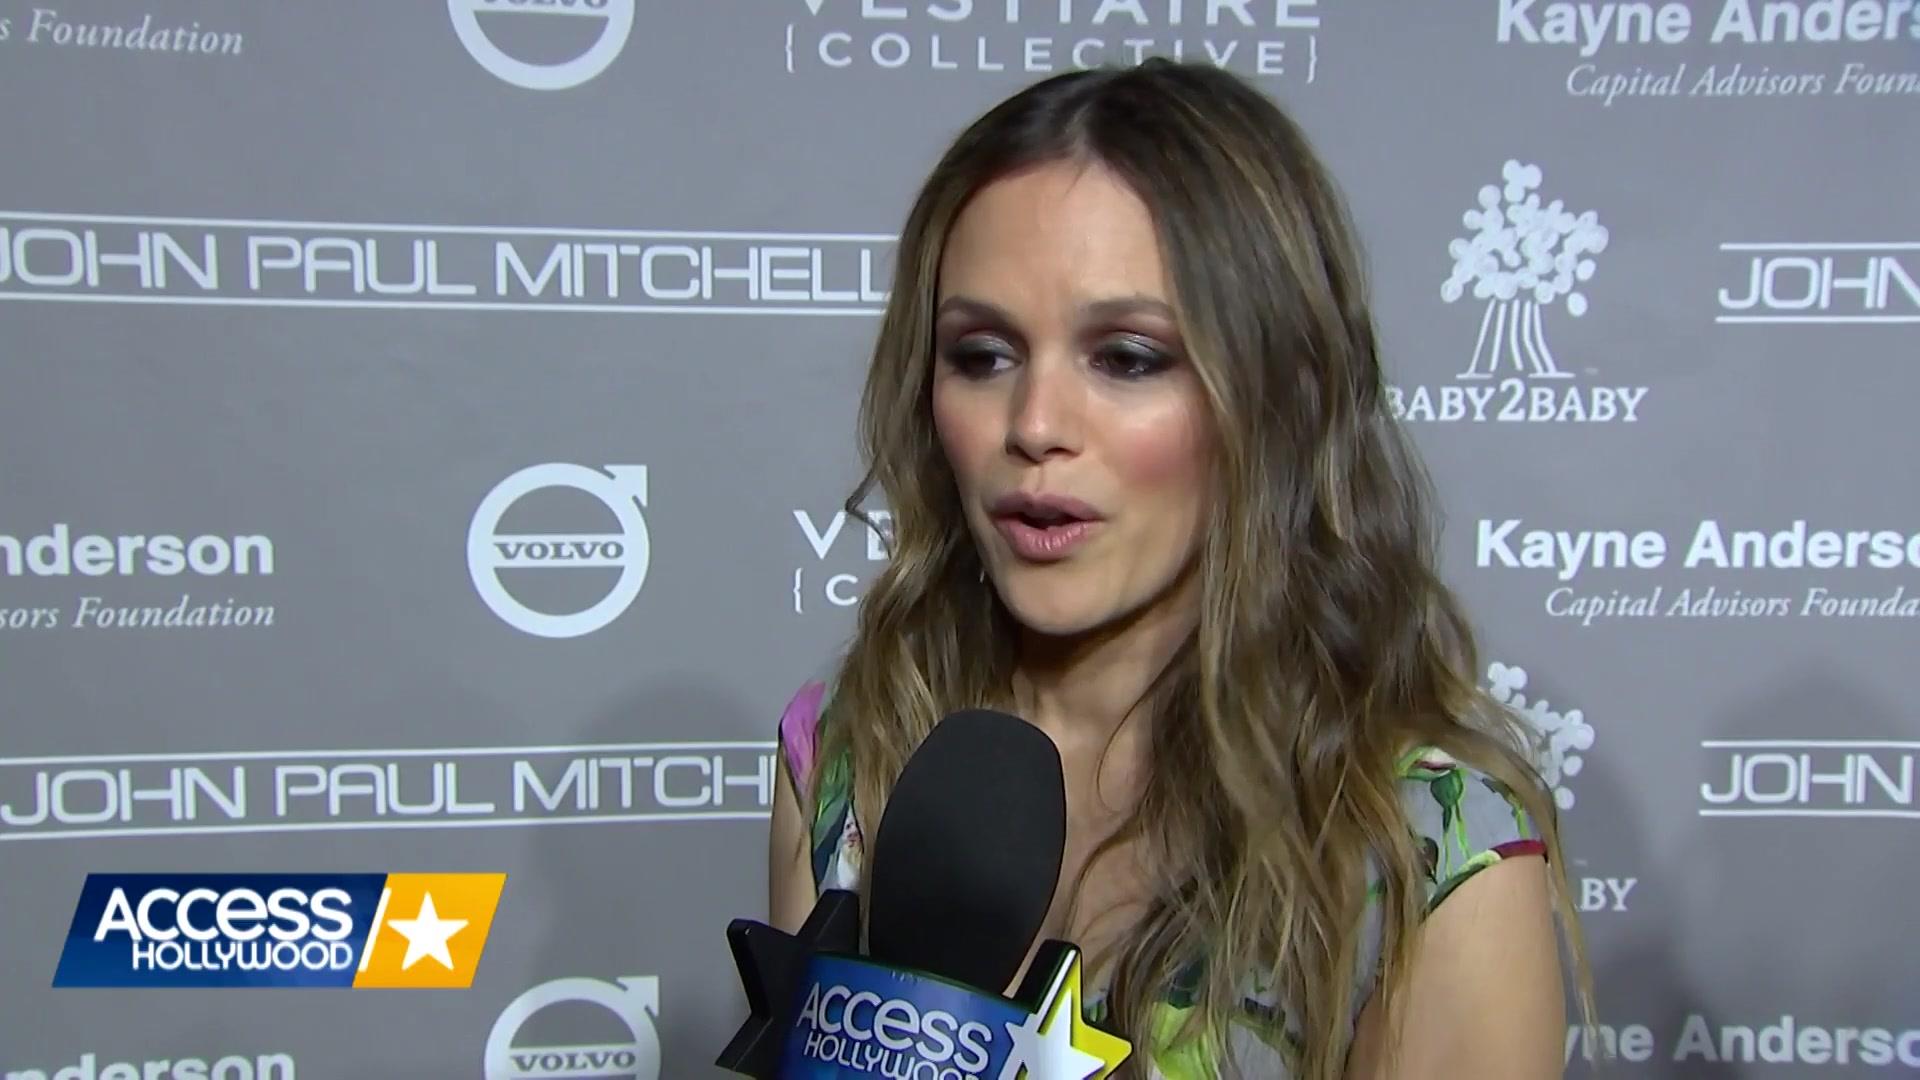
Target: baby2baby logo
[(389, 931), (1519, 261)]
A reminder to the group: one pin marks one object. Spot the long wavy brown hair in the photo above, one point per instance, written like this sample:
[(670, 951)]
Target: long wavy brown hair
[(1325, 646)]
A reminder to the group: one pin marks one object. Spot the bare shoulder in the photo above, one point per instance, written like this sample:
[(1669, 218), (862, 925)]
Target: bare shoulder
[(790, 881), (1484, 995)]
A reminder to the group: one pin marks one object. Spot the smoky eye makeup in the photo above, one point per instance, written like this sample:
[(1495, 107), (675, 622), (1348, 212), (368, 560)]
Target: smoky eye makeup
[(974, 355), (1126, 358), (974, 343), (976, 339), (1132, 356)]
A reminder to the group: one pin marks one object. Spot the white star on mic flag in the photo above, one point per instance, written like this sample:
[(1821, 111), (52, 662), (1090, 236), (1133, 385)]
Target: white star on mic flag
[(1050, 1054)]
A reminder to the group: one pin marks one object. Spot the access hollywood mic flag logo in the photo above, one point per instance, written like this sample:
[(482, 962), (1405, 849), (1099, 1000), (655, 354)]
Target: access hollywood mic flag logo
[(388, 931), (862, 1019)]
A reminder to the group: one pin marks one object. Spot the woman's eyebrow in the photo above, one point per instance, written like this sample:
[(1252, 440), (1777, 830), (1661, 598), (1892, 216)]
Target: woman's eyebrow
[(1130, 304), (979, 309)]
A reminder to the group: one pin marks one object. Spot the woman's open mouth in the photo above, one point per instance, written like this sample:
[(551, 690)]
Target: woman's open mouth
[(1044, 528)]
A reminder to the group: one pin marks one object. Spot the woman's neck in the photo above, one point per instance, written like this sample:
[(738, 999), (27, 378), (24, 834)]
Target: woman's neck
[(1085, 688)]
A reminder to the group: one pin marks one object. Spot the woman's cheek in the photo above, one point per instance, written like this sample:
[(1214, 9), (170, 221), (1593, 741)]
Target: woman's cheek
[(1161, 450), (965, 433)]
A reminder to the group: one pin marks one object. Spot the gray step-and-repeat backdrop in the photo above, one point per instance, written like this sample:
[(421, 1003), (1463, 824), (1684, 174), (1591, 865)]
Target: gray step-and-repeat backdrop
[(425, 423)]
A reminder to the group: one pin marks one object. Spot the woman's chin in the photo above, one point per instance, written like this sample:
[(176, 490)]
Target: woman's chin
[(1055, 613)]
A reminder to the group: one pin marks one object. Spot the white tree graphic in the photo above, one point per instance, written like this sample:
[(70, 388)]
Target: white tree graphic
[(1560, 737), (1512, 261)]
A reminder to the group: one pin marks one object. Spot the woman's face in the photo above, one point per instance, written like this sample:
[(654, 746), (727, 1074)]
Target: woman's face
[(1064, 400)]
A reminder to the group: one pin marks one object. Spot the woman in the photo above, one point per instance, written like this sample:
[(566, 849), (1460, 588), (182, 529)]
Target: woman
[(1127, 412)]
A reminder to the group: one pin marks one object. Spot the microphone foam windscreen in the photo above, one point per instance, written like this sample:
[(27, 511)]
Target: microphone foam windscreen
[(967, 854)]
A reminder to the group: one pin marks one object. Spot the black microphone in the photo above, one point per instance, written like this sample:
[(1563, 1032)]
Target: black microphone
[(964, 866), (967, 855)]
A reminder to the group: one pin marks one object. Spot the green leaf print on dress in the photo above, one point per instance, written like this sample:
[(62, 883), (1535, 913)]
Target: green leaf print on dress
[(835, 781), (1448, 789)]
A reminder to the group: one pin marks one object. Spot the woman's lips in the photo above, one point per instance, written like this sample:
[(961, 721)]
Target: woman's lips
[(1036, 542)]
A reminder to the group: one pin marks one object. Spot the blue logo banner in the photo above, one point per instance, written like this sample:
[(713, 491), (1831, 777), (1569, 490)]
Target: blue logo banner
[(857, 1018), (860, 1019), (219, 929), (365, 931)]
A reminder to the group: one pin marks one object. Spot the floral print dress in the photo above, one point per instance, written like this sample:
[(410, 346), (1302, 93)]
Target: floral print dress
[(1464, 819)]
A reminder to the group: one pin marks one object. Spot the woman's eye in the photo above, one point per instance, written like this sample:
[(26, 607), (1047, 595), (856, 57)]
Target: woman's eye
[(1131, 360), (977, 359)]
